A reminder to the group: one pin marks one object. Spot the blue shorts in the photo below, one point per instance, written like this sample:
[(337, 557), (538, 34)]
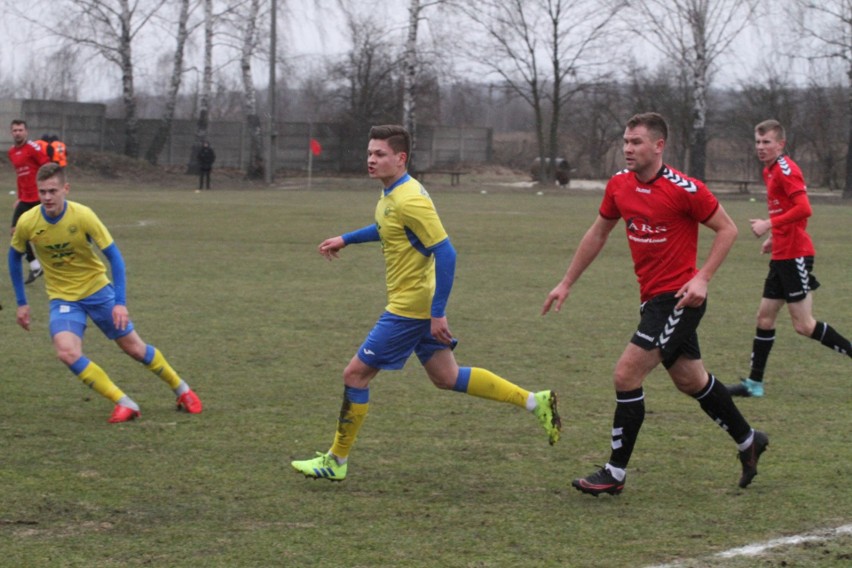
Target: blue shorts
[(71, 316), (394, 338)]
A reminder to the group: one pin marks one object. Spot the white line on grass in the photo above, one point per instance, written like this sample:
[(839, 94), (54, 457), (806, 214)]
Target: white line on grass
[(760, 548)]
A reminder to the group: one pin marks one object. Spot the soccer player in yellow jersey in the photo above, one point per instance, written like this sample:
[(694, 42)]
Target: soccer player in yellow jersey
[(419, 263), (63, 235)]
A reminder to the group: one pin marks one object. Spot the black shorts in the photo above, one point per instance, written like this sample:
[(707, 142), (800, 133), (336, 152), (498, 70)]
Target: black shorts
[(671, 331), (790, 280)]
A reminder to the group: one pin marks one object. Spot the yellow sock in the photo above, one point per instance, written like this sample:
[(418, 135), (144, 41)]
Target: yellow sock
[(160, 367), (351, 417), (486, 384), (96, 378)]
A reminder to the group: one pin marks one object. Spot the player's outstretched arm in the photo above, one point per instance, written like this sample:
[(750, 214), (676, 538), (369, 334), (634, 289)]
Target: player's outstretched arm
[(330, 248), (590, 246)]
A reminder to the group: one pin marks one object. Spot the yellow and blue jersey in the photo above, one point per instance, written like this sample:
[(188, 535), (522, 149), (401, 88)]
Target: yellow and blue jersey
[(408, 226), (64, 247)]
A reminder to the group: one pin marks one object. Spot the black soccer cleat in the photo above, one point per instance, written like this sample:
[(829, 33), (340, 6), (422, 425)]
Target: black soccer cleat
[(602, 481), (33, 275), (750, 455)]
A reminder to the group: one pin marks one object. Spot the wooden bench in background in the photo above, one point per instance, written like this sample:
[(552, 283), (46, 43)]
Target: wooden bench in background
[(740, 184), (455, 177)]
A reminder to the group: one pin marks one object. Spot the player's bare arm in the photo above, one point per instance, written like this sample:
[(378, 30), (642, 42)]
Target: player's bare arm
[(694, 292), (330, 248), (590, 246)]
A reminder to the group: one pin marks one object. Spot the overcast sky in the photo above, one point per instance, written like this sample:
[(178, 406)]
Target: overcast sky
[(310, 29)]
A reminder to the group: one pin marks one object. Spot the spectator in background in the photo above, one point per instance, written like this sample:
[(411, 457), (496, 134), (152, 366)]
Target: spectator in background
[(206, 157), (58, 151), (26, 157)]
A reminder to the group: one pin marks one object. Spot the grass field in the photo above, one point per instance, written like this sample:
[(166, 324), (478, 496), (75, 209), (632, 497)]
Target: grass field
[(229, 286)]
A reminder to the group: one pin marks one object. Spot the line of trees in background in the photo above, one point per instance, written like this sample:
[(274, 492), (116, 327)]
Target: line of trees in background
[(554, 78)]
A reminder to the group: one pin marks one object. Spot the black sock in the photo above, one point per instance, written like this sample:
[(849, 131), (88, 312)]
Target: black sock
[(716, 402), (829, 337), (629, 415), (764, 339)]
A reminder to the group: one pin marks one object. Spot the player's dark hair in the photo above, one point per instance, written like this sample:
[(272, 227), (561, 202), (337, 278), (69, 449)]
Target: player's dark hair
[(653, 121), (771, 125), (19, 121), (395, 135), (51, 170)]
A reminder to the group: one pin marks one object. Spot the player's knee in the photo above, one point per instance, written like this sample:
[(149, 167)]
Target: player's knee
[(68, 355), (623, 380), (805, 328), (443, 383)]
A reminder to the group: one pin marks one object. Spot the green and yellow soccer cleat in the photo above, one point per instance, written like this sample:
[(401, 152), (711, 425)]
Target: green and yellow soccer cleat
[(548, 415), (324, 466)]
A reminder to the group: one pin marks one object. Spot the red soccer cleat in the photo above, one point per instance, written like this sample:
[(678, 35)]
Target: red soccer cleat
[(123, 414), (189, 402)]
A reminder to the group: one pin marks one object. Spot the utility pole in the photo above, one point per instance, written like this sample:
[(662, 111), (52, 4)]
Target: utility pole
[(271, 146)]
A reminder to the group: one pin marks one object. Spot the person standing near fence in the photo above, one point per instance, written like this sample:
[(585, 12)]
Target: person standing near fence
[(206, 157), (26, 157), (790, 280)]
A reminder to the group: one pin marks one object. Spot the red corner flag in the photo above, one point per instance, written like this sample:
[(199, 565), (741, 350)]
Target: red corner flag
[(316, 148)]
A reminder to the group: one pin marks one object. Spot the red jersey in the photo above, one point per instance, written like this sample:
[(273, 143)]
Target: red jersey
[(27, 159), (661, 221), (786, 190)]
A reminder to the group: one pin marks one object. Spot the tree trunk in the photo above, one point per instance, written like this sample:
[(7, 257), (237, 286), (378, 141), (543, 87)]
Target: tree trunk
[(131, 125), (698, 139), (255, 168), (203, 122), (161, 137), (409, 77)]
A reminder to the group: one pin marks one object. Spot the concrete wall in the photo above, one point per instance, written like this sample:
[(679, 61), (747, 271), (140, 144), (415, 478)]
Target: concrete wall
[(84, 126), (79, 125)]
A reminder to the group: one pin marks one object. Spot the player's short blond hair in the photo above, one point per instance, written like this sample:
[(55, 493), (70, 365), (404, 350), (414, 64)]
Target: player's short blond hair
[(771, 125), (51, 170)]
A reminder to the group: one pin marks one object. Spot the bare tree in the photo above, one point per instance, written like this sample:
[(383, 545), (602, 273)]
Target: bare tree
[(828, 23), (109, 28), (161, 136), (410, 84), (241, 33), (206, 76), (665, 90), (368, 90), (536, 47), (693, 34), (55, 76)]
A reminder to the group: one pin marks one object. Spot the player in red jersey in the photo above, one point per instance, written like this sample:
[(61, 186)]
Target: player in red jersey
[(26, 157), (790, 279), (662, 210)]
